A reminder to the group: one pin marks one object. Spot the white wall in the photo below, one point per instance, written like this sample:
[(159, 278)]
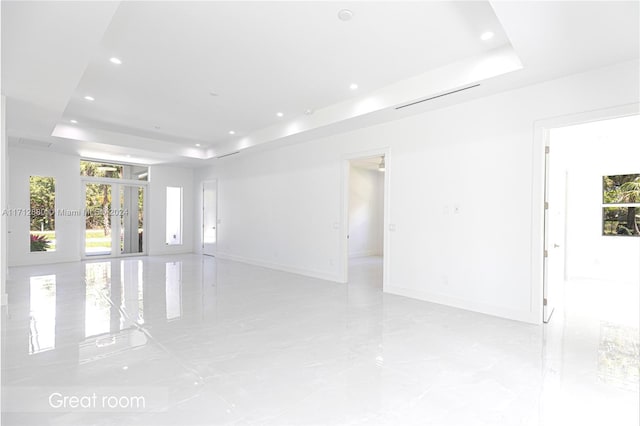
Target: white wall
[(3, 202), (448, 171), (587, 153), (65, 169), (160, 178), (366, 212)]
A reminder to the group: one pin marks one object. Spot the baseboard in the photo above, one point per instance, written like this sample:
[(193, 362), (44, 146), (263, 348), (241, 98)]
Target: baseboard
[(279, 267), (43, 259), (496, 311), (364, 254), (182, 250)]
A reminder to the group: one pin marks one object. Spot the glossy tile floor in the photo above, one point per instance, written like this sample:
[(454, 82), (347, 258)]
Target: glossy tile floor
[(202, 341)]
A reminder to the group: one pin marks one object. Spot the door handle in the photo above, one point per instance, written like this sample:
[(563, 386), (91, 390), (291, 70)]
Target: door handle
[(556, 245)]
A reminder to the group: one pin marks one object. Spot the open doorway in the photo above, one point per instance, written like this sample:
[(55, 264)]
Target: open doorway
[(592, 227), (365, 219), (209, 217), (592, 265)]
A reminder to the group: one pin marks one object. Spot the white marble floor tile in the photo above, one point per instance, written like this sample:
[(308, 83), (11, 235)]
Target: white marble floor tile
[(212, 342)]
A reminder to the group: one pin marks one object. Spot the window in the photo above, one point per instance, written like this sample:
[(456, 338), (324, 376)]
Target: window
[(113, 171), (174, 215), (621, 205), (42, 213)]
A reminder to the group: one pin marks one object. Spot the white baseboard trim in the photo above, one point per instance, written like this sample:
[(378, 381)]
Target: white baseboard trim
[(182, 250), (279, 267), (43, 259), (364, 254), (482, 308)]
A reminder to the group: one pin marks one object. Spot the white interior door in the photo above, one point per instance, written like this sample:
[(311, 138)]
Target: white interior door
[(555, 223), (209, 217)]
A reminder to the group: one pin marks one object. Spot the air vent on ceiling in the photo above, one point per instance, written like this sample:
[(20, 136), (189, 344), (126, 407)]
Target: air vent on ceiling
[(226, 155), (33, 144), (438, 96)]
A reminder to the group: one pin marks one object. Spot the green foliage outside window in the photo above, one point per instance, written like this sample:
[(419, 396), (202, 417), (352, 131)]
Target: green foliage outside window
[(622, 194)]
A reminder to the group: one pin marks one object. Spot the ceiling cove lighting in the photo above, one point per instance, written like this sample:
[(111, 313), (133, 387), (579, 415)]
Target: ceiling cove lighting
[(353, 86), (381, 166), (487, 35), (116, 61), (90, 98)]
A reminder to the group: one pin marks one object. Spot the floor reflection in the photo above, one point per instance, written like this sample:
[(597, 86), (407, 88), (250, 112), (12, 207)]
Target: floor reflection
[(42, 315), (238, 344), (174, 289), (119, 302), (98, 292), (619, 356)]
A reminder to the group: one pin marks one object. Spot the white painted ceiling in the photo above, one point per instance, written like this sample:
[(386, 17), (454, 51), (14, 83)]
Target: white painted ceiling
[(260, 58)]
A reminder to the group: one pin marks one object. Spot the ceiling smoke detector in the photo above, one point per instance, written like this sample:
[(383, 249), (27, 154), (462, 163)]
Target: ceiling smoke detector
[(345, 15)]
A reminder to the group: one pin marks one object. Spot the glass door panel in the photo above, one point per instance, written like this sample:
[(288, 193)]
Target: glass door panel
[(131, 219), (98, 215)]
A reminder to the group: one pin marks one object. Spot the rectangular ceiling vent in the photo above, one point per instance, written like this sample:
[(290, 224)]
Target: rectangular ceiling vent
[(438, 96), (33, 144), (226, 155)]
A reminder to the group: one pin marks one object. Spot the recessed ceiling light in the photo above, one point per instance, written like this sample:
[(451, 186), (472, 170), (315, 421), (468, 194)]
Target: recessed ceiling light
[(345, 14), (116, 61), (156, 127), (90, 98), (279, 114), (197, 144), (488, 35), (308, 111), (231, 132), (73, 121), (353, 86), (212, 93)]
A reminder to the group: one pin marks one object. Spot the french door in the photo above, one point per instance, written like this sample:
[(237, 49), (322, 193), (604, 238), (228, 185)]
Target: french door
[(114, 219)]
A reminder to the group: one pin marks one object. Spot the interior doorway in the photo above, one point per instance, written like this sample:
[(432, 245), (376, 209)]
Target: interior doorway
[(592, 216), (209, 217), (365, 206)]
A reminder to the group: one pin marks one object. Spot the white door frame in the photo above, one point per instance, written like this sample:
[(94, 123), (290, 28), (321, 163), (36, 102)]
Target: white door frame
[(344, 220), (538, 224), (215, 182)]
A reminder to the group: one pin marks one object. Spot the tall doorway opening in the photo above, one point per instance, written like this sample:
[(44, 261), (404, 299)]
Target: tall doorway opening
[(366, 221), (209, 217), (592, 220), (592, 268)]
